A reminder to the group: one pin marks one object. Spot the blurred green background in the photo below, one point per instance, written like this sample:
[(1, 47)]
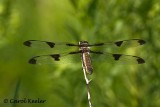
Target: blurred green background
[(113, 85)]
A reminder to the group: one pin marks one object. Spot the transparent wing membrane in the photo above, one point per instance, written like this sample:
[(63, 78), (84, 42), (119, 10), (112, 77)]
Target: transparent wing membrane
[(117, 58), (122, 43), (55, 59), (56, 47)]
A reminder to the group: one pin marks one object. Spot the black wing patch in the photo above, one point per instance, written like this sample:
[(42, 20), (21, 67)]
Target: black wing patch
[(141, 42), (32, 60), (117, 56), (119, 43), (140, 60)]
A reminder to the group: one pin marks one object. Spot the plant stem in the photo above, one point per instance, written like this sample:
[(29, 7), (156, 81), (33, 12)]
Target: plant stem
[(87, 83)]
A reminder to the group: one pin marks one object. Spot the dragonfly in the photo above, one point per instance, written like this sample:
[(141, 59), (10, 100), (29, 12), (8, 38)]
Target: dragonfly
[(84, 51)]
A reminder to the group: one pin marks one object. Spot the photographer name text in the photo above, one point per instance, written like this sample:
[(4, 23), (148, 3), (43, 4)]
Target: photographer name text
[(24, 100)]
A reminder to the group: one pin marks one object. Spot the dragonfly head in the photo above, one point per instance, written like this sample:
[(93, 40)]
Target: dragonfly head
[(83, 43)]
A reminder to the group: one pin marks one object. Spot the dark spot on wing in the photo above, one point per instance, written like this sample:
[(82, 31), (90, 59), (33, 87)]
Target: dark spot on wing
[(141, 42), (56, 57), (27, 43), (32, 61), (140, 61), (119, 43), (51, 44), (117, 56)]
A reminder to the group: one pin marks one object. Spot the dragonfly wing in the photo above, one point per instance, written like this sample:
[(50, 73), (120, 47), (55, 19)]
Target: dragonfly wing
[(39, 44), (46, 45), (55, 58), (122, 43), (118, 58)]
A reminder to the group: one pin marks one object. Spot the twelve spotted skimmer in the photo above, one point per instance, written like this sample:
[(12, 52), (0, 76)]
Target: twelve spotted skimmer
[(85, 53)]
